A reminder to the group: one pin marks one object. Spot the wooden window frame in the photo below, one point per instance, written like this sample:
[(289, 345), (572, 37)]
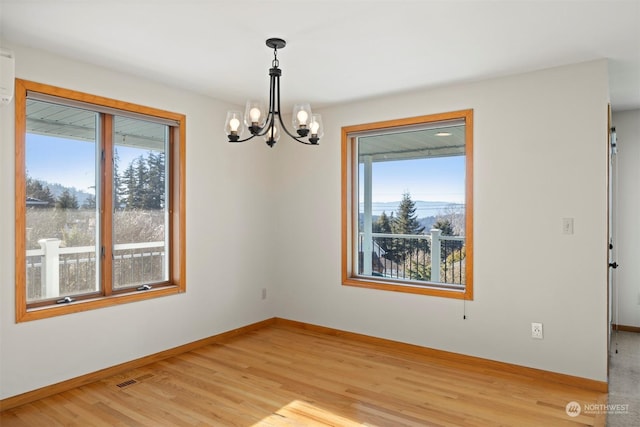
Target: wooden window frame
[(349, 177), (176, 205)]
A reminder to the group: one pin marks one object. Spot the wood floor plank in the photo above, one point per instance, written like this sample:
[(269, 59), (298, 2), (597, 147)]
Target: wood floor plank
[(285, 376)]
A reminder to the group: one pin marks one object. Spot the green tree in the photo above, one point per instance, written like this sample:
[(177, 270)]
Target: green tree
[(67, 201), (35, 189), (129, 194), (155, 191), (444, 225), (141, 183), (89, 202), (406, 222), (117, 181), (419, 271), (383, 225), (450, 248)]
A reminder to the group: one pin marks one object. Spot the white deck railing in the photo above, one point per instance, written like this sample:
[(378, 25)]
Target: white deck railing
[(51, 253)]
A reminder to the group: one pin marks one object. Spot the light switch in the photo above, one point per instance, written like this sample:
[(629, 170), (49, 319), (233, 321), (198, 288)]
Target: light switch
[(567, 225)]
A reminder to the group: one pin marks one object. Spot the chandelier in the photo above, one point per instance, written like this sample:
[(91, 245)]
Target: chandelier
[(268, 123)]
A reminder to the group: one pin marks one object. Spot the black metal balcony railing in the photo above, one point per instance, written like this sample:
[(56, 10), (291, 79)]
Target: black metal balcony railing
[(413, 257)]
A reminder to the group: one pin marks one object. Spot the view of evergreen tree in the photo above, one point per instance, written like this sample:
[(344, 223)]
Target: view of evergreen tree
[(142, 184), (445, 226), (448, 246), (89, 203), (382, 224), (406, 221), (117, 180), (36, 190), (129, 196), (67, 201), (454, 213), (155, 191)]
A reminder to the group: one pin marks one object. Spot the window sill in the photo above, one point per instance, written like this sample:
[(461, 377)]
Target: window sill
[(411, 288), (26, 314)]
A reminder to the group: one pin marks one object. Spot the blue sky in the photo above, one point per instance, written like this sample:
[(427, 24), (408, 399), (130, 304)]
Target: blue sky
[(72, 164), (69, 162), (438, 179)]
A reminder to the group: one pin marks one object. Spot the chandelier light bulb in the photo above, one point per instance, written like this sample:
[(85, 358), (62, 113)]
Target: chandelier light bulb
[(303, 116), (272, 136), (272, 133), (234, 124), (314, 127), (254, 114)]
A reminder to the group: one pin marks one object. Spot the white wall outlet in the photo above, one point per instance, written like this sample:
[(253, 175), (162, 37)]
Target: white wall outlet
[(567, 225), (264, 293), (536, 330)]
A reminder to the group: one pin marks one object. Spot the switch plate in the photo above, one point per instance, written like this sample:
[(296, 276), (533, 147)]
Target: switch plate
[(567, 225), (536, 330)]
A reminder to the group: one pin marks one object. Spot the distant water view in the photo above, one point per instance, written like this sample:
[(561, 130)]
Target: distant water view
[(423, 209)]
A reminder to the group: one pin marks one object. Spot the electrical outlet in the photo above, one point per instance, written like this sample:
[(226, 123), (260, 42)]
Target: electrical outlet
[(264, 293), (536, 330)]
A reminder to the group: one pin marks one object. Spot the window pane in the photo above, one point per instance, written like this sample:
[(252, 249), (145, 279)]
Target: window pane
[(61, 211), (411, 205), (140, 220)]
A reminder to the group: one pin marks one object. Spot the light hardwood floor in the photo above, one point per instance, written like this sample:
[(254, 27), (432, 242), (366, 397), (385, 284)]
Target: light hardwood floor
[(286, 376)]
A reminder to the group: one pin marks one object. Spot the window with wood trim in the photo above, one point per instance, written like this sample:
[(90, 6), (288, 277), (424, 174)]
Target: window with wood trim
[(100, 201), (407, 205)]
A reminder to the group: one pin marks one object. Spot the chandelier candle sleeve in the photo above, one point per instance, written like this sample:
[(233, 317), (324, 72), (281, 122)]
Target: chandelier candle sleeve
[(268, 122)]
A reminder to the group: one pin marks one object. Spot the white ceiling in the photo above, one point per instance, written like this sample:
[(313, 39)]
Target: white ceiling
[(337, 51)]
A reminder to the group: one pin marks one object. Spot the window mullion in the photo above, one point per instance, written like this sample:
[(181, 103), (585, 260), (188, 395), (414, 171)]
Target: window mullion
[(106, 206)]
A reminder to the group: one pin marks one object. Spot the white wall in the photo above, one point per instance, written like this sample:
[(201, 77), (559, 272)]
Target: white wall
[(227, 191), (539, 156), (271, 218), (626, 292)]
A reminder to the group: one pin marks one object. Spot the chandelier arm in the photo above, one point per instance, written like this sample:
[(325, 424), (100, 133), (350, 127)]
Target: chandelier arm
[(262, 132), (290, 134), (277, 78), (267, 125), (243, 140)]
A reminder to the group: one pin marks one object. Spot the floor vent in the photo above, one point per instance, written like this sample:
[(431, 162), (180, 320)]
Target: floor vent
[(126, 383)]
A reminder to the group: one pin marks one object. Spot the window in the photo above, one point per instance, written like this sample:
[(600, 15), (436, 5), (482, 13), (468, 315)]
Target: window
[(407, 214), (100, 190)]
